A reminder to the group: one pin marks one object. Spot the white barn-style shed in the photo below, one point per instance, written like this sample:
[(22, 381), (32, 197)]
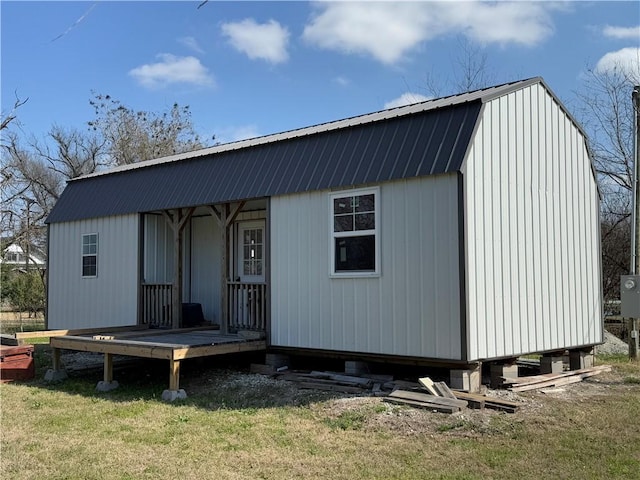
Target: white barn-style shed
[(459, 230)]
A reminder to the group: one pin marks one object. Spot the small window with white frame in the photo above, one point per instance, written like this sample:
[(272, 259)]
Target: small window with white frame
[(90, 255), (354, 241)]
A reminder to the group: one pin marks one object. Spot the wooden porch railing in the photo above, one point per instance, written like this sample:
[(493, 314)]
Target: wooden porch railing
[(157, 304), (247, 303)]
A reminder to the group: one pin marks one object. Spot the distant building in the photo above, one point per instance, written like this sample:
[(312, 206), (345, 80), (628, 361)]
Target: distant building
[(15, 255)]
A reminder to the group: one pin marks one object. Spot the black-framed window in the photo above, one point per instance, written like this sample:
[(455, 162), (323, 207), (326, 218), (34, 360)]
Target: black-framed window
[(90, 255)]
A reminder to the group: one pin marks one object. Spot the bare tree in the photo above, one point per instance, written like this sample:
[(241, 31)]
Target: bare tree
[(607, 113), (34, 171), (11, 116), (34, 175), (471, 71), (134, 136)]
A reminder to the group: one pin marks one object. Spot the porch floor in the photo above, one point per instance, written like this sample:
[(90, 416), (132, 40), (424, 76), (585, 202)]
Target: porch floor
[(172, 345)]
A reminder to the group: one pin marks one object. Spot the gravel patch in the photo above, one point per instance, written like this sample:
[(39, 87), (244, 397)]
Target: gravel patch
[(612, 346)]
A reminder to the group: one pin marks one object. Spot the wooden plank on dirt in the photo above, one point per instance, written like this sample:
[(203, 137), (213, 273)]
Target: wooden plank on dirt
[(426, 405), (482, 401), (531, 379), (427, 398), (428, 384), (405, 385), (331, 387), (560, 379), (378, 377), (444, 390), (344, 379)]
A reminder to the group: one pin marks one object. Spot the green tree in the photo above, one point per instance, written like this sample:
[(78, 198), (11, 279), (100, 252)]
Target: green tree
[(24, 291)]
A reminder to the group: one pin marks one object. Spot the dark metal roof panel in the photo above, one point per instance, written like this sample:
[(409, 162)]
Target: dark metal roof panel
[(417, 144)]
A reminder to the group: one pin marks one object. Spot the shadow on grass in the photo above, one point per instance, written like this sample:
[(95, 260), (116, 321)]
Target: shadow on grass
[(212, 383)]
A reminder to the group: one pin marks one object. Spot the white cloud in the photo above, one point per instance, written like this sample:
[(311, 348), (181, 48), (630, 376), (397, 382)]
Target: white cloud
[(266, 41), (621, 32), (406, 98), (384, 30), (172, 69), (500, 22), (387, 31), (342, 81), (234, 134), (191, 43), (625, 61)]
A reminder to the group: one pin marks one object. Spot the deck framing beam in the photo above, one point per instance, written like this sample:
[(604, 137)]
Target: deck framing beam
[(175, 353)]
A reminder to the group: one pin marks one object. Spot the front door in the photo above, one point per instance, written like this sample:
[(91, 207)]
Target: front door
[(251, 251), (247, 298)]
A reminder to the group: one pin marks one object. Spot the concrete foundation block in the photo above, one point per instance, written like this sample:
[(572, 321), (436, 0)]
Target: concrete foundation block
[(53, 376), (277, 360), (103, 386), (469, 380), (581, 359), (551, 364), (352, 367), (500, 371), (173, 395)]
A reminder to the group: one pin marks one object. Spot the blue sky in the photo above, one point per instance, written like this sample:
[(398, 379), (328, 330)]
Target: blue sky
[(254, 68)]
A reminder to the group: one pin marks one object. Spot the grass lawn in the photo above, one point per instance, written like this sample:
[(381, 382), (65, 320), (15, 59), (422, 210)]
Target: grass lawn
[(235, 425)]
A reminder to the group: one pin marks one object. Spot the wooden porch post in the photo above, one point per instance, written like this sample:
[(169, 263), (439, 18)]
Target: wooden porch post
[(225, 218), (174, 374), (224, 275), (108, 368), (177, 220)]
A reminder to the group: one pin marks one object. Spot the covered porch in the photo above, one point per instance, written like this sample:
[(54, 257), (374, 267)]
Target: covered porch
[(206, 265)]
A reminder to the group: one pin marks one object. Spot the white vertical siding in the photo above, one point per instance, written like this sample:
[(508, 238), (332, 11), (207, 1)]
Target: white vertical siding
[(411, 309), (158, 250), (206, 255), (111, 298), (531, 225)]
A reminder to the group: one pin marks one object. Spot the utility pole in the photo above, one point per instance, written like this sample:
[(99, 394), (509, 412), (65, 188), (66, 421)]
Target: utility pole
[(635, 264)]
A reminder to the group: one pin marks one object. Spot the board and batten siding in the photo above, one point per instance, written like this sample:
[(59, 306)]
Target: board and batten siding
[(532, 231), (201, 260), (111, 298), (411, 309), (205, 254)]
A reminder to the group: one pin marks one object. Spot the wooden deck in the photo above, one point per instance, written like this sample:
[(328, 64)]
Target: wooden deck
[(172, 345)]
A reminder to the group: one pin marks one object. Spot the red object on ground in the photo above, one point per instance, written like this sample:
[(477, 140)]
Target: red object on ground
[(16, 363)]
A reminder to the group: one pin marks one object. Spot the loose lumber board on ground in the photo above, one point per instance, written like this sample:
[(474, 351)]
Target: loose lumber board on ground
[(428, 384), (444, 390), (523, 384), (427, 398), (429, 406), (482, 401)]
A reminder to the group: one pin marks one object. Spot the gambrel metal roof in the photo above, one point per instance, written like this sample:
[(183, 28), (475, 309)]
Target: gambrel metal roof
[(425, 138)]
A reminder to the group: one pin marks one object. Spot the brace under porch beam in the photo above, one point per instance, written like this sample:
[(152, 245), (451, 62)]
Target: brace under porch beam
[(225, 217)]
